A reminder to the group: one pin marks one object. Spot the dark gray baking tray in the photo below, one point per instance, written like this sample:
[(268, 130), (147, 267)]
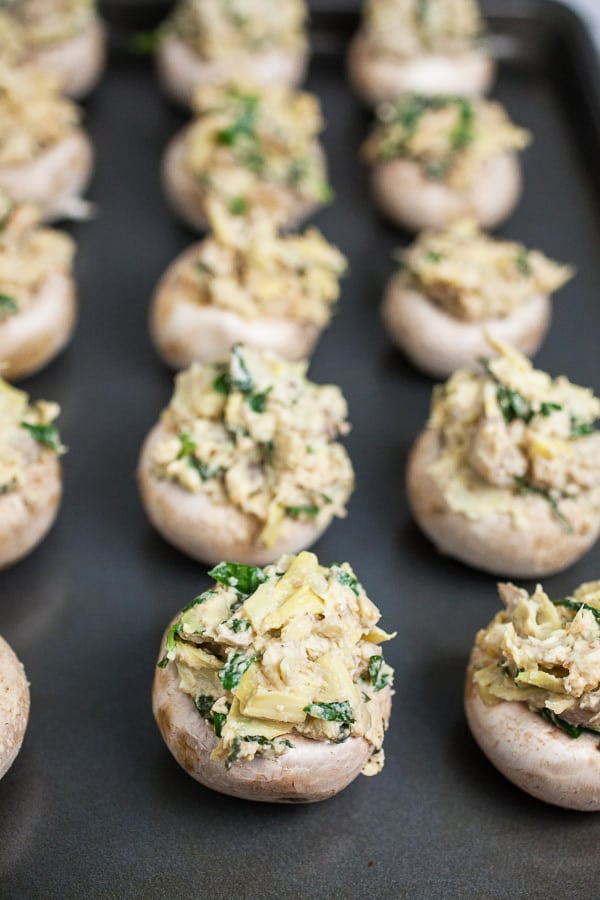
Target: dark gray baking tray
[(95, 807)]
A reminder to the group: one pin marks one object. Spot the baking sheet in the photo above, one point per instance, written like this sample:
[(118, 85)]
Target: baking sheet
[(95, 806)]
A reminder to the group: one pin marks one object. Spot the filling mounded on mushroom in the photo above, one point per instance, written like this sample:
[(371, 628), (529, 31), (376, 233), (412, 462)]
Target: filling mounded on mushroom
[(449, 138), (22, 422), (255, 434), (229, 28), (246, 142), (256, 272), (292, 649), (515, 431), (544, 653), (44, 23), (28, 254), (473, 276), (411, 27)]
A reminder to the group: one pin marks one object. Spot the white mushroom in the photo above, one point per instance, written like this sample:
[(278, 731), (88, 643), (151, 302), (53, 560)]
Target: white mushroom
[(78, 61), (268, 291), (439, 159), (14, 706), (294, 727), (208, 43), (459, 286), (248, 148), (530, 512)]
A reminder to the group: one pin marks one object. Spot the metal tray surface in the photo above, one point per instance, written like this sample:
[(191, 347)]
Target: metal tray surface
[(95, 806)]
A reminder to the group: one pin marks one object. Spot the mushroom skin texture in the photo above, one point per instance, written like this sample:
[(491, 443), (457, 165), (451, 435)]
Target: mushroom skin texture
[(379, 77), (307, 772), (209, 532), (491, 542), (411, 200), (183, 331), (78, 61), (181, 70), (187, 197), (536, 756), (438, 343), (54, 180), (27, 514), (14, 706), (32, 338)]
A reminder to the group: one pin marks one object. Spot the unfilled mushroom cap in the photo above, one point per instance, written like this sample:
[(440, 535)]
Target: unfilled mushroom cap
[(534, 754), (14, 706), (439, 343), (492, 542), (307, 772), (377, 77), (181, 70), (414, 202)]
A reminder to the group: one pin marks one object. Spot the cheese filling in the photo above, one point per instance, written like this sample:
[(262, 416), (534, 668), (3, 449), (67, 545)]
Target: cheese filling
[(43, 23), (288, 650), (404, 28)]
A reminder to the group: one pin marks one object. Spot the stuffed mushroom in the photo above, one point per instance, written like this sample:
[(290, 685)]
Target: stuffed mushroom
[(248, 148), (45, 156), (531, 694), (439, 159), (212, 41), (37, 290), (244, 463), (506, 476), (14, 706), (30, 473), (271, 685), (416, 47), (246, 284), (63, 37), (459, 285)]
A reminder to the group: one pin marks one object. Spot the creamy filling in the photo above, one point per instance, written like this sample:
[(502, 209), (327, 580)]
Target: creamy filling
[(26, 431), (405, 28)]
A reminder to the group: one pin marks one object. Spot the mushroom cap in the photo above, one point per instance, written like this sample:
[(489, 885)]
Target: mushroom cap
[(33, 337), (534, 754), (412, 201), (377, 77), (207, 531), (78, 61), (181, 70), (187, 197), (491, 542), (14, 706), (307, 772), (27, 514), (184, 331), (438, 343), (54, 180)]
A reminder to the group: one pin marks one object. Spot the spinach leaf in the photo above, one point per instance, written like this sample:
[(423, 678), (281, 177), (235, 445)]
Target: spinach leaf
[(203, 703), (345, 578), (297, 511), (574, 604), (201, 598), (338, 711), (237, 206), (231, 673), (44, 434), (464, 130), (245, 579), (173, 633), (187, 451), (243, 127), (522, 261), (432, 256), (379, 673), (574, 731), (546, 409), (581, 429), (218, 720), (8, 306), (238, 625), (258, 400), (240, 377), (525, 487)]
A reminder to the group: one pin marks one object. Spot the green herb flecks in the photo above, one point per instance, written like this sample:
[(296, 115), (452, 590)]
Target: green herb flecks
[(580, 428), (432, 256), (203, 268), (258, 401), (237, 206), (297, 171), (338, 711), (297, 511), (345, 578), (268, 450), (261, 740), (238, 625), (238, 378), (575, 605), (218, 720), (8, 307), (203, 703), (574, 731), (245, 579), (513, 405), (231, 673), (187, 451), (45, 434), (379, 673), (173, 633), (197, 601), (464, 130), (525, 487), (547, 409), (522, 261), (243, 127)]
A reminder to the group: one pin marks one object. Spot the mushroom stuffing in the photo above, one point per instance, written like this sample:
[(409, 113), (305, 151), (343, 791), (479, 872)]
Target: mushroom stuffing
[(438, 159), (506, 477), (246, 283), (411, 46), (458, 285), (533, 693), (271, 685), (244, 462), (248, 148), (208, 42)]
